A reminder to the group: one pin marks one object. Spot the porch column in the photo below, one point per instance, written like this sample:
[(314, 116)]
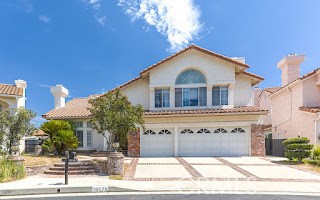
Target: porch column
[(176, 142)]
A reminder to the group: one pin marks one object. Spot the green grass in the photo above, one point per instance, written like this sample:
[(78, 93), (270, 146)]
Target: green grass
[(10, 171)]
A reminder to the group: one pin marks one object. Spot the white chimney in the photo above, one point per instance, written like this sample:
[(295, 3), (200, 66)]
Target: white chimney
[(21, 84), (240, 59), (60, 93), (290, 66)]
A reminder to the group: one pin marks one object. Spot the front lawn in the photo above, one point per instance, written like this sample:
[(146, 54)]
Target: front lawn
[(31, 160)]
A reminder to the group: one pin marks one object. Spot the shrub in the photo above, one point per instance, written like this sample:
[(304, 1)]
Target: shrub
[(313, 162), (10, 171), (297, 148), (315, 153), (300, 140), (61, 137)]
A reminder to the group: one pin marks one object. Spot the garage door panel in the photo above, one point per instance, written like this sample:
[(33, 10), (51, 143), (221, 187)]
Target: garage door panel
[(154, 144), (227, 142)]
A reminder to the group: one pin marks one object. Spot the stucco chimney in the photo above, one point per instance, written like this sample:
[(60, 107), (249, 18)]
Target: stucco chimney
[(21, 84), (290, 66), (60, 93), (256, 93)]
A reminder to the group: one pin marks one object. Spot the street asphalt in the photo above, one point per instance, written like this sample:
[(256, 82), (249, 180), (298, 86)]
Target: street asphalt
[(172, 197)]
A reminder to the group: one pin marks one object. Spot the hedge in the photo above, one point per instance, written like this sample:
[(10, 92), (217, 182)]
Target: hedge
[(301, 140)]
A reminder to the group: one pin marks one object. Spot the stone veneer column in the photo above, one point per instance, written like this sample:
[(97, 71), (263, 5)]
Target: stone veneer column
[(257, 140), (134, 143)]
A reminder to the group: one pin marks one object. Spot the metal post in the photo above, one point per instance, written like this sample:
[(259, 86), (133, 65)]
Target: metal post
[(66, 166)]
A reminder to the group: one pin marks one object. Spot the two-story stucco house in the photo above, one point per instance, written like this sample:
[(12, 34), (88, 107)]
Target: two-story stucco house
[(13, 95), (295, 106), (197, 103)]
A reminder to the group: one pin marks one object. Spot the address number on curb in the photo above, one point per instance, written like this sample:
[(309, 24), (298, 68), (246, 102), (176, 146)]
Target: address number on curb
[(100, 188)]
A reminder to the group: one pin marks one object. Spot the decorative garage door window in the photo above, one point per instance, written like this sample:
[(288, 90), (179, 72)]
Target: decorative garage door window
[(164, 132), (149, 132), (238, 130), (186, 131), (220, 130), (203, 130)]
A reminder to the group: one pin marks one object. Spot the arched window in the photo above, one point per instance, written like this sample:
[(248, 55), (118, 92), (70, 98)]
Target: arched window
[(164, 132), (190, 76), (220, 130), (203, 130), (149, 132), (238, 130), (186, 131)]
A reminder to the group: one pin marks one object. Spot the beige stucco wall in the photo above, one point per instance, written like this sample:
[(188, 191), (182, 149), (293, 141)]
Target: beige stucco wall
[(214, 70), (287, 120), (11, 101), (264, 103), (243, 92), (138, 92), (217, 72)]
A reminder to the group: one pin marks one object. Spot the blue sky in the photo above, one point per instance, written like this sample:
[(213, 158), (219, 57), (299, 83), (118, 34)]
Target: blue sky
[(91, 46)]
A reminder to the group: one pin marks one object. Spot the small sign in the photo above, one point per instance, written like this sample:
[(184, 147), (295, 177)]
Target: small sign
[(100, 188)]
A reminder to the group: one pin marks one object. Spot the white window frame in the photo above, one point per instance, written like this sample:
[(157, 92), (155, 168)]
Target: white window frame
[(228, 90), (162, 98), (198, 86)]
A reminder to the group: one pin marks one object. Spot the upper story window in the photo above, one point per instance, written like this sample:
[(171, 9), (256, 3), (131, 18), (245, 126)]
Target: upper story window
[(220, 95), (190, 76), (162, 98), (89, 125), (78, 124), (190, 96)]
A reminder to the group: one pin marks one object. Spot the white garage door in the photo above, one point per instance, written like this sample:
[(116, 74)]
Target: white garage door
[(213, 142), (157, 143)]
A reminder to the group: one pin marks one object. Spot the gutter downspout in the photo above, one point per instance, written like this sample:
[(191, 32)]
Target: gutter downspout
[(316, 128)]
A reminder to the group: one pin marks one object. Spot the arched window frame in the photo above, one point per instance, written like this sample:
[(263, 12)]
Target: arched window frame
[(189, 131), (149, 132), (238, 130), (164, 131), (203, 130), (220, 130), (191, 76)]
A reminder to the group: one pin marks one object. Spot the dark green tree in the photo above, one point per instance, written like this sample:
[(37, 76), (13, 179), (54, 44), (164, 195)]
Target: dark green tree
[(114, 113), (61, 136), (15, 124)]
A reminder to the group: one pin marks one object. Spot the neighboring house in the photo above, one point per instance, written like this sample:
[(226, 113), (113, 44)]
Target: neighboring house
[(295, 106), (13, 96), (197, 103)]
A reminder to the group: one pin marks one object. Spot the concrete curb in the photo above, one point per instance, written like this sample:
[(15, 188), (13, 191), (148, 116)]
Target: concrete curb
[(107, 189), (63, 190)]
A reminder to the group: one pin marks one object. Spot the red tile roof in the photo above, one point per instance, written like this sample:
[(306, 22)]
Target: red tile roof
[(240, 109), (8, 89), (301, 78), (76, 108), (193, 46), (314, 109)]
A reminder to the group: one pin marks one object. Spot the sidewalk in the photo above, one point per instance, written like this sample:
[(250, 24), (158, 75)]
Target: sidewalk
[(40, 184)]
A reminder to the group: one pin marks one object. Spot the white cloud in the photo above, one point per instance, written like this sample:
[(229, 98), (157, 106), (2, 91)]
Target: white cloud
[(45, 19), (101, 20), (96, 6), (178, 20)]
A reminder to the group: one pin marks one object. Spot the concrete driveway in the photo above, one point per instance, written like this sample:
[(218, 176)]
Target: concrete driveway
[(215, 169)]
